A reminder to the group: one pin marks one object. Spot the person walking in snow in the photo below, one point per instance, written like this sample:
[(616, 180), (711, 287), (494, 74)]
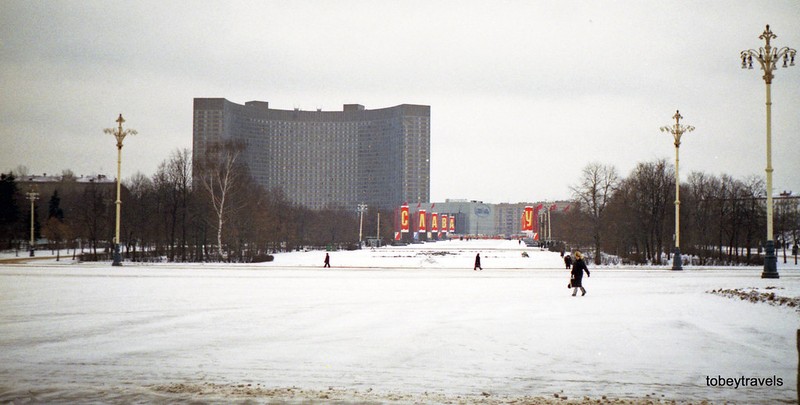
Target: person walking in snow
[(568, 261), (478, 262), (327, 261), (578, 267)]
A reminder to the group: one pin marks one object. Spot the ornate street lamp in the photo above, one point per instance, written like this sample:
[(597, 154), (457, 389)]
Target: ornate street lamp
[(32, 196), (677, 130), (768, 57), (119, 134)]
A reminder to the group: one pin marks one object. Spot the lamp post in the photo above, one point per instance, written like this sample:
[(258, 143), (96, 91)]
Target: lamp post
[(378, 231), (677, 130), (119, 134), (785, 195), (32, 196), (361, 209), (543, 227), (768, 57)]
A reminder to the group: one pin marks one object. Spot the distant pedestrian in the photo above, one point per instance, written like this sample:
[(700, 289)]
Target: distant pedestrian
[(568, 261), (478, 262), (577, 274), (327, 261)]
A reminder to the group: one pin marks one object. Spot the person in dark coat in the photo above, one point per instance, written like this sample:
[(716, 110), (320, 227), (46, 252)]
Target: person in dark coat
[(478, 262), (568, 261), (577, 274), (327, 261)]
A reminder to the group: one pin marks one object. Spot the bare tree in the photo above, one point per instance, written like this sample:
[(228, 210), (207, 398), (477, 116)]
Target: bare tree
[(180, 171), (140, 218), (94, 214), (219, 175), (700, 200), (651, 190), (172, 183), (593, 192), (619, 226), (246, 221), (21, 171), (751, 213), (56, 230)]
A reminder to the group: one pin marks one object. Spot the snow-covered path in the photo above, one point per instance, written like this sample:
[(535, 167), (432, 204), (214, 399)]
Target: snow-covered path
[(93, 332)]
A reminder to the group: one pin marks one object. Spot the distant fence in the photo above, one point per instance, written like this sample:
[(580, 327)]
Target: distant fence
[(139, 256), (153, 257)]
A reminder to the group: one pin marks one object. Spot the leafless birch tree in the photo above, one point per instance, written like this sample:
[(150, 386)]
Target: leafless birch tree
[(219, 175)]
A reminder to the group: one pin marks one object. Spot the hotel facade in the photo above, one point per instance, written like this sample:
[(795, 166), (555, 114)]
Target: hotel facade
[(325, 159)]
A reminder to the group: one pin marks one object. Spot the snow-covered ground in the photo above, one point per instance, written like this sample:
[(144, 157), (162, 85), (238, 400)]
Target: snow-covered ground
[(396, 320)]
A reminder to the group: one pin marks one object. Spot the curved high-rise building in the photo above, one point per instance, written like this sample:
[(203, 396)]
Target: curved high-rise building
[(326, 159)]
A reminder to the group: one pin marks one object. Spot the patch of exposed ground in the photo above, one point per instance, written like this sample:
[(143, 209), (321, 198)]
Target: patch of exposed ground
[(221, 392), (753, 294)]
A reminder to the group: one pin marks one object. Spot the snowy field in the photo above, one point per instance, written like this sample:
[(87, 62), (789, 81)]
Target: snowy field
[(405, 324)]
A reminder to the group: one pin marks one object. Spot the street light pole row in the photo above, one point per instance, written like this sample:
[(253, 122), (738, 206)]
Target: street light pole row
[(768, 57)]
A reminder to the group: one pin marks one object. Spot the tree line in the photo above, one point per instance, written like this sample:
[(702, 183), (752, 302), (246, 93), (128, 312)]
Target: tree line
[(211, 209), (722, 219), (208, 209)]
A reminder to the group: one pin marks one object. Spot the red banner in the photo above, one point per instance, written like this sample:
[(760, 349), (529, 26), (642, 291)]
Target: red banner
[(422, 222), (434, 222), (404, 218), (536, 210), (452, 224), (444, 222), (527, 219)]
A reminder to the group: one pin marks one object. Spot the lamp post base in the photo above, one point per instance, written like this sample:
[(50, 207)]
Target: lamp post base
[(770, 261), (117, 257), (677, 261), (32, 252)]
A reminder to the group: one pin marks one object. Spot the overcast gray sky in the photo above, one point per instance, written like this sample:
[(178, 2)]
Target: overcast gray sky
[(523, 94)]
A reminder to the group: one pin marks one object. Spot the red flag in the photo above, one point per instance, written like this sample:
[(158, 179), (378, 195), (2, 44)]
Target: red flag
[(404, 218), (536, 210)]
